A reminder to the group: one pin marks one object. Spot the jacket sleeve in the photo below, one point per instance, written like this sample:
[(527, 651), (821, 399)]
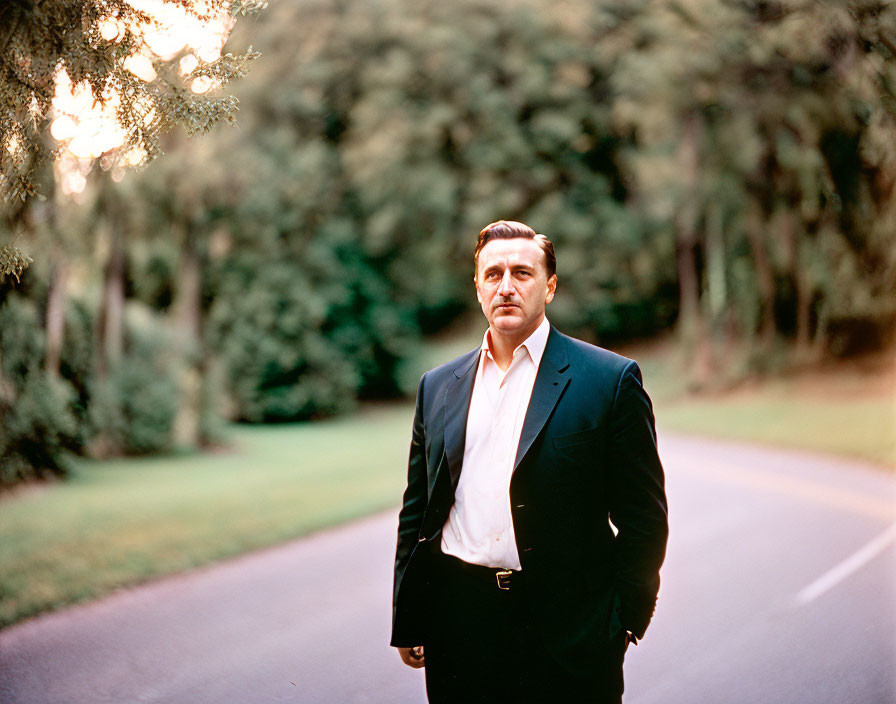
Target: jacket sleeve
[(410, 520), (638, 505)]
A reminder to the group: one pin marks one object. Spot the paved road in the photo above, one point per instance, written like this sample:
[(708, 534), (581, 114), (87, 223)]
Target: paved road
[(780, 587)]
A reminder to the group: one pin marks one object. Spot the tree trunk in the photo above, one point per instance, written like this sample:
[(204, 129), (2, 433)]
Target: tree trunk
[(189, 288), (112, 306), (188, 324), (57, 296), (111, 317), (764, 276), (691, 325), (801, 287), (57, 286), (716, 284)]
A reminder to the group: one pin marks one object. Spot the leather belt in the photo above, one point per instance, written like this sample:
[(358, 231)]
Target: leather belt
[(502, 579)]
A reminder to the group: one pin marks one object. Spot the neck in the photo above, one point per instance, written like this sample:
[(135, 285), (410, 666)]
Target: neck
[(502, 344)]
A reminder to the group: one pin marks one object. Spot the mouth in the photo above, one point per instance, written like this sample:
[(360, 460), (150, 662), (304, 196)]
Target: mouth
[(506, 306)]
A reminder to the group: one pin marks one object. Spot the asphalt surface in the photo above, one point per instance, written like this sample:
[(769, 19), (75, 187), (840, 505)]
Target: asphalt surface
[(779, 587)]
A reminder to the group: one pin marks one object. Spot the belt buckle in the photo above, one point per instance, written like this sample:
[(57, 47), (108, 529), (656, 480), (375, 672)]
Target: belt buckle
[(503, 577)]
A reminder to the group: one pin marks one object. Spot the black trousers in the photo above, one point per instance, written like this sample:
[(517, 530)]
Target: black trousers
[(482, 646)]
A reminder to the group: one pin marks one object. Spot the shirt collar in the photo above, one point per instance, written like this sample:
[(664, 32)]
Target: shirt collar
[(534, 344)]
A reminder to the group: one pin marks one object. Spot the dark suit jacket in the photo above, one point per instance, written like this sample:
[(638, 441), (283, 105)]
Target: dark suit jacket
[(587, 452)]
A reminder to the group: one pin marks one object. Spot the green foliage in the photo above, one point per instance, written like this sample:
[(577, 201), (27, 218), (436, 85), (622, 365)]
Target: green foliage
[(134, 407), (267, 331), (724, 167), (39, 38), (400, 132), (212, 427), (154, 273), (22, 338), (39, 428), (39, 425), (395, 133), (77, 357), (758, 130), (12, 261)]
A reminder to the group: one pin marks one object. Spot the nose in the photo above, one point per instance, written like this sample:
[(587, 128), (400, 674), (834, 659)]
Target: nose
[(506, 286)]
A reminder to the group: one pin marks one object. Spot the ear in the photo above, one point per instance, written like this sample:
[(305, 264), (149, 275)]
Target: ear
[(552, 288), (476, 284)]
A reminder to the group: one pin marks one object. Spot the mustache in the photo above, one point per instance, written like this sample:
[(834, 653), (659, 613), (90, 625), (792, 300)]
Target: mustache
[(505, 301)]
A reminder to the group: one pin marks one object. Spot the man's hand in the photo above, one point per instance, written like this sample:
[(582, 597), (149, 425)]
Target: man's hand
[(412, 657)]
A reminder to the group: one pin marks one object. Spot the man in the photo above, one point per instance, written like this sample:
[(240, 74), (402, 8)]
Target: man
[(511, 584)]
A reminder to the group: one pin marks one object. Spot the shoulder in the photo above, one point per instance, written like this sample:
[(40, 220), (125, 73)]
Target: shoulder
[(449, 371), (587, 357), (434, 384), (458, 364)]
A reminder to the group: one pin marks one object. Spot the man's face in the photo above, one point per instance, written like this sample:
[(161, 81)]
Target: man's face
[(512, 286)]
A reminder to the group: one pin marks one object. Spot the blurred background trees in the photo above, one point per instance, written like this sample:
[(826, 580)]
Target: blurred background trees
[(724, 169), (104, 72), (85, 82)]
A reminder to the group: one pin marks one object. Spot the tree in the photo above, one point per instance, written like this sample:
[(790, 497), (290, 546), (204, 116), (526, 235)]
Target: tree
[(107, 63), (81, 83), (726, 164), (758, 129)]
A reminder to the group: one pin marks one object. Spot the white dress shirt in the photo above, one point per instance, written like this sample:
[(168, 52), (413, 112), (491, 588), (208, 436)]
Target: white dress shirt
[(479, 528)]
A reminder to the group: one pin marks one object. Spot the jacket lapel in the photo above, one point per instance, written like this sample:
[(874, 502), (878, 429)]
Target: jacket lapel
[(457, 407), (550, 382)]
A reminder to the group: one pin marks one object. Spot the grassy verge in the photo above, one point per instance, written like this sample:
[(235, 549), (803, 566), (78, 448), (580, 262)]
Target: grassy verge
[(847, 408), (120, 522)]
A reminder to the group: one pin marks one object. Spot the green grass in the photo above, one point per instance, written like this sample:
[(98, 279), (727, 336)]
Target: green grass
[(864, 429), (846, 409), (120, 522)]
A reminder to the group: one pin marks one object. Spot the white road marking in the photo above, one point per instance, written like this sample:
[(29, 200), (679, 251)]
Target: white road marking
[(851, 564)]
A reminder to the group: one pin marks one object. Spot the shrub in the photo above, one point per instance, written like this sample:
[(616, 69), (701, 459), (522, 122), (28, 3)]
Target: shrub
[(22, 339), (37, 423), (38, 428), (278, 364), (134, 408)]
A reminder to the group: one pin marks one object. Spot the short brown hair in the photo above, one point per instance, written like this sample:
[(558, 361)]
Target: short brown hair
[(511, 229)]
